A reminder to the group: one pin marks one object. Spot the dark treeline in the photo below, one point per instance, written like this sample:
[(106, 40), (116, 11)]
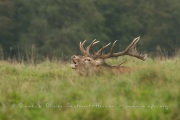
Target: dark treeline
[(55, 27)]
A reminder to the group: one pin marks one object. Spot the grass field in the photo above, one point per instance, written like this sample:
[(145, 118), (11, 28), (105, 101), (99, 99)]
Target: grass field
[(52, 90)]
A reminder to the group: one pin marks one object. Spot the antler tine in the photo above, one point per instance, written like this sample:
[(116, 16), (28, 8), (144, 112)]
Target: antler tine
[(100, 50), (82, 48), (125, 52), (90, 46), (112, 48), (134, 42), (109, 54), (141, 56)]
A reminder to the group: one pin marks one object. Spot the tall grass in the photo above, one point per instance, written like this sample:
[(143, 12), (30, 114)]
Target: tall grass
[(52, 90)]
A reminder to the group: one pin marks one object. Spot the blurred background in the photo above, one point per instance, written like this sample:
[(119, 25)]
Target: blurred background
[(54, 28)]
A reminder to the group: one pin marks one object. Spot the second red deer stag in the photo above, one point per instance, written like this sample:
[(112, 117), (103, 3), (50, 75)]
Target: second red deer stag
[(94, 62)]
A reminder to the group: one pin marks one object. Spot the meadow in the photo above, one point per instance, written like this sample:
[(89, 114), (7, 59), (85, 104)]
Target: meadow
[(52, 90)]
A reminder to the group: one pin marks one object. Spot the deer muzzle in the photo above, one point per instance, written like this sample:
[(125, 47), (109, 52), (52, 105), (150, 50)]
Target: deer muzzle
[(74, 62)]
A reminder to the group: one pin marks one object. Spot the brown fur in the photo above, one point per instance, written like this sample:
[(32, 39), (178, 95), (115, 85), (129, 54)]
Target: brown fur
[(95, 62), (88, 66), (121, 70)]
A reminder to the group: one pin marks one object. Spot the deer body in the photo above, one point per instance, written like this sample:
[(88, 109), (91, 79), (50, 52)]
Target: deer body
[(94, 62)]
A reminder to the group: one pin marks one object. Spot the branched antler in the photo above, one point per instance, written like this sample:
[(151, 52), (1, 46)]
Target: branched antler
[(87, 51), (100, 54)]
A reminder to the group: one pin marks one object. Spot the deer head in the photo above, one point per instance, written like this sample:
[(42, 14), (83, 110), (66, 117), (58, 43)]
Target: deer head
[(93, 62)]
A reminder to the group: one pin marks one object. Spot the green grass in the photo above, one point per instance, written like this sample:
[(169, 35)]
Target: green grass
[(151, 92)]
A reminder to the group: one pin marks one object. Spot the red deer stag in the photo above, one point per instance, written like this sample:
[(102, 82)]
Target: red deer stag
[(93, 62)]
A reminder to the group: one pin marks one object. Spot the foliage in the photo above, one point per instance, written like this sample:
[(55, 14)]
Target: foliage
[(52, 28), (63, 94)]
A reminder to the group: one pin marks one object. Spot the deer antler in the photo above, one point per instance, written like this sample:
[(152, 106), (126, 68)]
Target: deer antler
[(127, 51), (100, 54), (87, 51)]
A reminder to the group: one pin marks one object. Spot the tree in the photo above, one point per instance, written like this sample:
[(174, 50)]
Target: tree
[(155, 21), (7, 27), (53, 27), (56, 27)]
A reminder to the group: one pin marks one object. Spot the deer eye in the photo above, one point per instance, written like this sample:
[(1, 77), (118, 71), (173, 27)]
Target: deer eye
[(87, 59)]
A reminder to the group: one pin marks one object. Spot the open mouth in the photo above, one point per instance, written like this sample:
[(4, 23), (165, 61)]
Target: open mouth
[(73, 64)]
